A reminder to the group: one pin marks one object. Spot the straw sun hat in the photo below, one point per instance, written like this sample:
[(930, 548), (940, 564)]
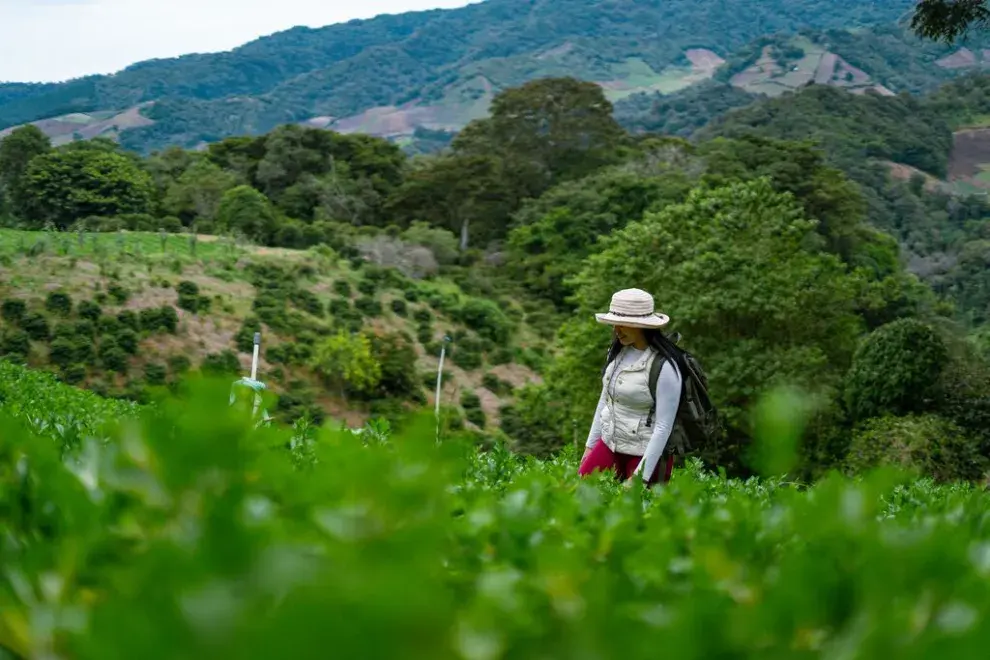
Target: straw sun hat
[(633, 308)]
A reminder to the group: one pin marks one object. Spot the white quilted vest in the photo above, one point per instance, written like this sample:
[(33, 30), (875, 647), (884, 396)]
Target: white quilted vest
[(628, 403)]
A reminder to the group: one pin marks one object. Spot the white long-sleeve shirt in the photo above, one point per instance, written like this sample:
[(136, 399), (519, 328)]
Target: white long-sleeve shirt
[(668, 398)]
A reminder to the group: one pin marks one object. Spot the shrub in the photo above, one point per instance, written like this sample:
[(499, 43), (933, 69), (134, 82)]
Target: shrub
[(496, 385), (89, 310), (15, 342), (108, 325), (308, 302), (62, 352), (13, 310), (411, 294), (485, 318), (367, 287), (472, 409), (400, 308), (179, 364), (112, 356), (194, 304), (119, 294), (934, 446), (224, 363), (155, 373), (397, 360), (342, 288), (424, 335), (59, 302), (467, 353), (423, 316), (36, 326), (187, 288), (129, 319), (368, 306), (501, 355), (127, 339), (895, 370), (74, 373), (244, 338)]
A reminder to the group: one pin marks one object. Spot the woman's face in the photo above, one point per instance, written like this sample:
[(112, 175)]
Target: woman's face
[(629, 336)]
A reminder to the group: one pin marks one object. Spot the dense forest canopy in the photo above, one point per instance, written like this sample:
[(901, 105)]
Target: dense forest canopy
[(449, 57)]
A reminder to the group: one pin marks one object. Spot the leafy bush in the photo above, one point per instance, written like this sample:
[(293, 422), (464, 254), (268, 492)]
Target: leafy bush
[(399, 307), (367, 287), (127, 339), (155, 373), (396, 358), (159, 319), (89, 310), (467, 353), (368, 306), (224, 363), (13, 309), (59, 302), (119, 294), (472, 409), (934, 446), (15, 342), (895, 371), (36, 326), (308, 302), (74, 373), (342, 288), (112, 356), (179, 364), (62, 352)]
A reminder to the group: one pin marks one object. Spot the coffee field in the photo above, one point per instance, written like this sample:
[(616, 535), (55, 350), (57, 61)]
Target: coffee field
[(177, 530)]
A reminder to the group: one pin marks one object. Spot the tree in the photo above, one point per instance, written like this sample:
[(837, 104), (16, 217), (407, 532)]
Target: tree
[(547, 130), (947, 20), (466, 194), (732, 268), (198, 191), (555, 233), (243, 209), (65, 185), (346, 363), (16, 152)]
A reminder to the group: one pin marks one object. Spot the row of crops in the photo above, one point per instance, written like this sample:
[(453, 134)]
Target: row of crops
[(184, 532)]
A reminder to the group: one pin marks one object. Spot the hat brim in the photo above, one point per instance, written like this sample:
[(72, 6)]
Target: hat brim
[(644, 322)]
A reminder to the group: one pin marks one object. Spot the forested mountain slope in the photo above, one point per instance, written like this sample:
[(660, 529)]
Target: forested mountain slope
[(440, 69)]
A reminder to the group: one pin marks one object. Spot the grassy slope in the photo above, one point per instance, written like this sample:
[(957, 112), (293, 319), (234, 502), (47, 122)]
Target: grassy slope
[(32, 264)]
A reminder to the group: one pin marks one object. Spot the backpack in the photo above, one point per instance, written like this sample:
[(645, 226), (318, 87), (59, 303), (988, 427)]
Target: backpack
[(697, 426)]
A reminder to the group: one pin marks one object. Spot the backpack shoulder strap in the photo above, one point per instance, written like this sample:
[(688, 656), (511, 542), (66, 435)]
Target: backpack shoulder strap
[(655, 366)]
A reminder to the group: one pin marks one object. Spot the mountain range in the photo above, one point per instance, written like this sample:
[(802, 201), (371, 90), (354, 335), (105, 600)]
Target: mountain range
[(437, 70)]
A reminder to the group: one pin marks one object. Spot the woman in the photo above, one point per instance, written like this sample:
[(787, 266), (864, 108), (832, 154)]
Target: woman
[(631, 430)]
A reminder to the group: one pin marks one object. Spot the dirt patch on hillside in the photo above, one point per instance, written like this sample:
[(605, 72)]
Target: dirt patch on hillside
[(68, 128), (826, 69), (703, 59), (557, 51), (970, 151), (906, 172), (961, 59)]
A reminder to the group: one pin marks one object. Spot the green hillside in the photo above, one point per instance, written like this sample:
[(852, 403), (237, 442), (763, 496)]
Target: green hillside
[(440, 69)]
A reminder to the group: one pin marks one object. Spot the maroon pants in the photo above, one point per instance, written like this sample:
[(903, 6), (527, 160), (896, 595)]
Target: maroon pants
[(602, 458)]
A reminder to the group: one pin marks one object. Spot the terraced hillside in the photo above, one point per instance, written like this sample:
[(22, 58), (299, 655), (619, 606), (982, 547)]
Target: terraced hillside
[(123, 313)]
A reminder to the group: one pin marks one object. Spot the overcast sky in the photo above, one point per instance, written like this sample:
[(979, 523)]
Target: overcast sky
[(51, 40)]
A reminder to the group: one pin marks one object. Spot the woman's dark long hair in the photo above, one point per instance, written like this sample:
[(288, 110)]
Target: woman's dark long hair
[(657, 339)]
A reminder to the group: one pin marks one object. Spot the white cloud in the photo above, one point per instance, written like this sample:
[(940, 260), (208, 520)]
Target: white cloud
[(61, 39)]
